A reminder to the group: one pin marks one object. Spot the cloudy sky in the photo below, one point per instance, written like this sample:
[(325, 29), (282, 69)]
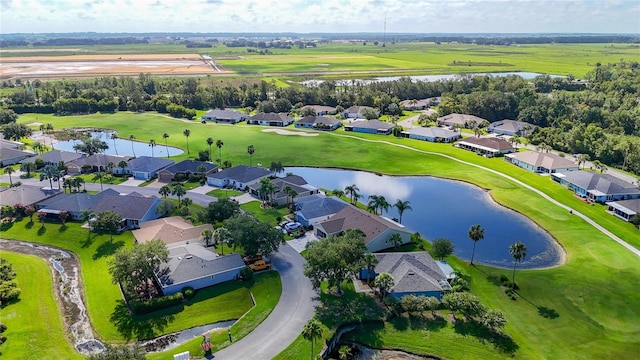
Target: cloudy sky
[(403, 16)]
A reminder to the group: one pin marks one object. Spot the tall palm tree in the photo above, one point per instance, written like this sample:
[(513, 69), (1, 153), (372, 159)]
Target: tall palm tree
[(8, 170), (209, 142), (519, 252), (164, 191), (123, 165), (311, 332), (266, 189), (370, 261), (219, 144), (114, 137), (352, 190), (383, 204), (372, 205), (132, 138), (186, 134), (50, 173), (165, 136), (476, 232), (179, 191), (98, 176), (221, 236), (402, 206), (384, 282), (250, 150), (337, 193), (152, 143), (206, 236)]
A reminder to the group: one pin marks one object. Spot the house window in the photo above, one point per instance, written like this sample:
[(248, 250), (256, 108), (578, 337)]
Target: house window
[(213, 277)]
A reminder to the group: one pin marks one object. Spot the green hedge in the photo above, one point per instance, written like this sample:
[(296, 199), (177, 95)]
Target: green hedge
[(144, 307)]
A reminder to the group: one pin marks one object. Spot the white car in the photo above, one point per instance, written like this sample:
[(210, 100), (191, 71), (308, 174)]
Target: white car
[(292, 226)]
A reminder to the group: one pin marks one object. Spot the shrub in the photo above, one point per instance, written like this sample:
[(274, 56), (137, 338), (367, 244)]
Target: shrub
[(504, 279), (3, 327), (188, 292), (144, 307), (246, 273)]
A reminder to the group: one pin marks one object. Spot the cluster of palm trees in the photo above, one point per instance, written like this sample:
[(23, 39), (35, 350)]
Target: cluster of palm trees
[(220, 236), (376, 204), (178, 190), (73, 183)]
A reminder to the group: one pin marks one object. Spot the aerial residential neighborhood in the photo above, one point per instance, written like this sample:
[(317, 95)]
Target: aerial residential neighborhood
[(351, 181)]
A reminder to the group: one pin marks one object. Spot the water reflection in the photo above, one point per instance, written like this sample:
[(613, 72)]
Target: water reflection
[(123, 147), (447, 209)]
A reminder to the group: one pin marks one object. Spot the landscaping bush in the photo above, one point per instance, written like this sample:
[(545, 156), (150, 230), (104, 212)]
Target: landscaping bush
[(188, 292), (504, 279), (246, 274), (144, 307)]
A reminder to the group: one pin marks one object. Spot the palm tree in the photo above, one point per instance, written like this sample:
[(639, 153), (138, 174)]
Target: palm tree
[(250, 150), (221, 236), (209, 142), (165, 191), (29, 167), (384, 282), (206, 236), (219, 144), (179, 191), (86, 215), (311, 332), (370, 261), (582, 159), (186, 134), (402, 206), (50, 173), (372, 205), (352, 190), (122, 165), (337, 193), (132, 138), (383, 204), (201, 169), (114, 137), (152, 143), (8, 170), (344, 352), (519, 252), (476, 232), (98, 176), (165, 136), (266, 189), (395, 240)]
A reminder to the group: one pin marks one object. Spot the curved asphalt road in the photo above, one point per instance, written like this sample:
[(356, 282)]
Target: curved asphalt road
[(296, 306)]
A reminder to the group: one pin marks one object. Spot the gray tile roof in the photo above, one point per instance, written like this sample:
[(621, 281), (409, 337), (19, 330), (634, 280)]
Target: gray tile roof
[(321, 108), (24, 194), (318, 120), (190, 166), (461, 119), (129, 206), (241, 173), (9, 154), (99, 160), (633, 205), (509, 125), (600, 183), (370, 124), (148, 164), (55, 156), (356, 109), (188, 262), (315, 206), (434, 132), (224, 114), (547, 160), (412, 272), (269, 117), (297, 183)]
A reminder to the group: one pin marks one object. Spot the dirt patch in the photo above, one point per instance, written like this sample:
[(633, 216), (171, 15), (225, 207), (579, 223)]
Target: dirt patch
[(287, 132)]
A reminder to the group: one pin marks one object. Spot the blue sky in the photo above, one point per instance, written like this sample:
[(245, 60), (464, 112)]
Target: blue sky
[(403, 16)]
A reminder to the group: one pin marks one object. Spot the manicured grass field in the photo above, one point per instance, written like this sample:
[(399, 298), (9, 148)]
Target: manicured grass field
[(594, 293), (34, 323), (268, 216), (223, 194)]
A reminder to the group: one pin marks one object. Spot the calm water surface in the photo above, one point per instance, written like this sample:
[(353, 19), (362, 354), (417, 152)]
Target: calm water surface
[(447, 209), (123, 146)]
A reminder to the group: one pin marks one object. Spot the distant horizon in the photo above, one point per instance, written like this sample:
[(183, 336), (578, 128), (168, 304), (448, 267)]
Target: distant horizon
[(327, 33), (321, 16)]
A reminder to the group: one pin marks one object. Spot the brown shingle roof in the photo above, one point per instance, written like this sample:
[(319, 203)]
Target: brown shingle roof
[(170, 230), (547, 160), (353, 218), (493, 143)]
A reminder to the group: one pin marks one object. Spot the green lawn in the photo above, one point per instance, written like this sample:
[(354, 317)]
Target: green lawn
[(268, 216), (224, 193), (28, 339)]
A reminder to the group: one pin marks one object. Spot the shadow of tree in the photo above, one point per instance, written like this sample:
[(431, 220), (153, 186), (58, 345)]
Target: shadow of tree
[(424, 323), (399, 323), (87, 242), (501, 341), (42, 230), (350, 307), (28, 225), (63, 228), (4, 304), (107, 248), (141, 328), (368, 333), (547, 313)]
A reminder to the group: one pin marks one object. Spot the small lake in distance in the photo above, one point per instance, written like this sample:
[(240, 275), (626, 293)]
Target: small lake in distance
[(123, 147), (447, 209)]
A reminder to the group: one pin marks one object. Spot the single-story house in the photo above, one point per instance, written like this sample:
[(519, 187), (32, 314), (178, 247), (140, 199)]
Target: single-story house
[(414, 104), (191, 264), (25, 195), (414, 273), (370, 127), (511, 127), (54, 157), (185, 168), (318, 123), (97, 162), (133, 207), (355, 112), (321, 109), (545, 163), (459, 119), (280, 197), (597, 187), (624, 209), (12, 156), (9, 144), (224, 116), (377, 229), (313, 209), (433, 134), (145, 167), (270, 119), (170, 230), (239, 177), (488, 147)]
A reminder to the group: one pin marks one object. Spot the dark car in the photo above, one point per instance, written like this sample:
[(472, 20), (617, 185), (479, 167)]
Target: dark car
[(251, 259)]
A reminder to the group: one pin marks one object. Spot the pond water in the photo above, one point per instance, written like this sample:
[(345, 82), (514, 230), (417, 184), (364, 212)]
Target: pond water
[(123, 147), (525, 75), (447, 209)]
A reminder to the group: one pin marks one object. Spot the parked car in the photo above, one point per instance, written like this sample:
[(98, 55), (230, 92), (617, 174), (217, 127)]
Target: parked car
[(291, 226), (260, 265), (251, 259)]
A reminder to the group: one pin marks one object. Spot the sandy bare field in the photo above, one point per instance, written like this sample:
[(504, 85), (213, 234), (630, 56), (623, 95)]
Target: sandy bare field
[(111, 64), (287, 132)]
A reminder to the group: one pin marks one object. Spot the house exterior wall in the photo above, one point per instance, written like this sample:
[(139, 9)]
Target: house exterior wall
[(304, 126), (399, 295), (204, 281), (142, 175), (381, 241)]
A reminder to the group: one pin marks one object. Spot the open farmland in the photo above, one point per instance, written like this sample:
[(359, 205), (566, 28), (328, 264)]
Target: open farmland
[(86, 65)]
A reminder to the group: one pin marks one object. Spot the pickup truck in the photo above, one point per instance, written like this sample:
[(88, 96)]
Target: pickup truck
[(260, 265)]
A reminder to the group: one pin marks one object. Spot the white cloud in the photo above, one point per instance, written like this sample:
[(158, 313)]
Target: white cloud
[(424, 16)]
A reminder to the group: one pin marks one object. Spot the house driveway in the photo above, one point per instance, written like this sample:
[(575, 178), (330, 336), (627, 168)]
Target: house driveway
[(284, 324), (244, 198), (300, 244)]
